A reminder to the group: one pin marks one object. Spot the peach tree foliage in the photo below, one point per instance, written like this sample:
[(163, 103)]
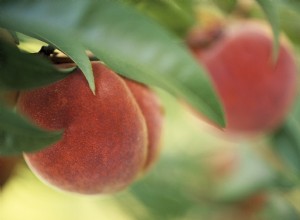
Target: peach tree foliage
[(131, 48)]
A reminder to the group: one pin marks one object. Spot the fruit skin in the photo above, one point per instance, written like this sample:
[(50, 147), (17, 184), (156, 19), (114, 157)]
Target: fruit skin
[(7, 166), (104, 143), (153, 113), (256, 93)]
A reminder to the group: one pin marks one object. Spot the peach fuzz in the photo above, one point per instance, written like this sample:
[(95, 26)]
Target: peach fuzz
[(256, 91), (104, 143)]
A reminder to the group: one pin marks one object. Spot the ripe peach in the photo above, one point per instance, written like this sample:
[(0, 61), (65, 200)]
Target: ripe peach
[(104, 142), (255, 90), (153, 113), (7, 165)]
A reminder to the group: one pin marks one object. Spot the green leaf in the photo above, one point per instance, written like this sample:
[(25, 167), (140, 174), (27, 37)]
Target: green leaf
[(20, 70), (227, 5), (74, 49), (270, 9), (293, 4), (18, 135), (165, 12), (125, 40), (286, 143), (289, 18)]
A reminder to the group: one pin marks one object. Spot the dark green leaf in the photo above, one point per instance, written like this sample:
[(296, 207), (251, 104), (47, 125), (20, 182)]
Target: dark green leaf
[(270, 9), (18, 135), (20, 70), (74, 49), (125, 40)]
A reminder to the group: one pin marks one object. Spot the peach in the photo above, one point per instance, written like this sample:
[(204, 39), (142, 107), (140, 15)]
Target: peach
[(255, 90), (7, 166), (104, 143), (153, 113)]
